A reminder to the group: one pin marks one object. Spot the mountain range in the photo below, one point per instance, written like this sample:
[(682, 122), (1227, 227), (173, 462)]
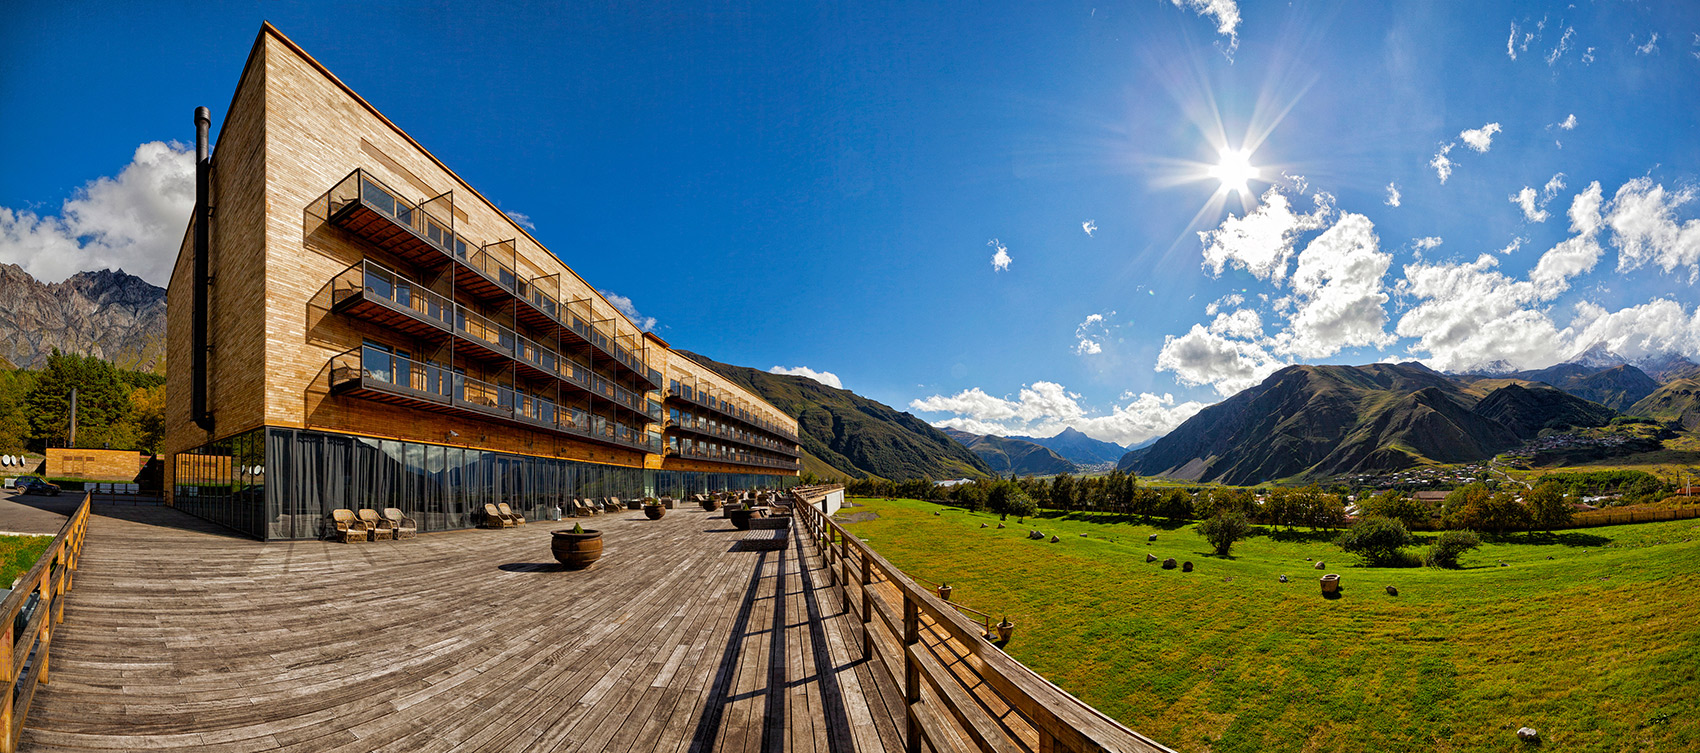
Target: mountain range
[(114, 315), (1316, 421), (1078, 448), (1016, 455)]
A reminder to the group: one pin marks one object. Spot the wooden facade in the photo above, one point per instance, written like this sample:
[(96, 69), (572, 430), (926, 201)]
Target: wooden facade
[(293, 137)]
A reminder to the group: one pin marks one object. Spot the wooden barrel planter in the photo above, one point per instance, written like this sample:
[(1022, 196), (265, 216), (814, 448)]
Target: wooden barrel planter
[(654, 512), (710, 504), (1330, 584), (741, 518), (576, 551)]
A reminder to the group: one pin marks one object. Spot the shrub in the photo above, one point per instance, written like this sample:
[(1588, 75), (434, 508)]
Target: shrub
[(1223, 530), (1449, 545), (1398, 507), (1376, 540)]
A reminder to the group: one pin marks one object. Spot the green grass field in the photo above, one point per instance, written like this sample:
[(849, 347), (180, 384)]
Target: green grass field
[(18, 554), (1598, 647)]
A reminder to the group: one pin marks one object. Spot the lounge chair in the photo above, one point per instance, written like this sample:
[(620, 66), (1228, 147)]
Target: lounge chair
[(494, 519), (378, 525), (612, 504), (346, 527), (518, 519), (405, 527)]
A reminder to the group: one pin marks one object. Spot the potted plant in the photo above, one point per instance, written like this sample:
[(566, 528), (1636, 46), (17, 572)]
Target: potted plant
[(944, 591), (1005, 629), (740, 516), (709, 503), (653, 509), (576, 549)]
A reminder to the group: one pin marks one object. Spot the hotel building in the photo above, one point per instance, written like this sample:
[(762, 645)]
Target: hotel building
[(354, 326)]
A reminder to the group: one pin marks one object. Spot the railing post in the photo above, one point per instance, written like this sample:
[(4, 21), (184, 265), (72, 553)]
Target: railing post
[(867, 607), (8, 686), (45, 637), (911, 673)]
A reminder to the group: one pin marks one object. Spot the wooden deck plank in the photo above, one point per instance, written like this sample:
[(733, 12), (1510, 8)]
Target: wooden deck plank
[(179, 637)]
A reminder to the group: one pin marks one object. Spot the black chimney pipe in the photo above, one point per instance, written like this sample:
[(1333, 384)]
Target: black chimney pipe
[(202, 282)]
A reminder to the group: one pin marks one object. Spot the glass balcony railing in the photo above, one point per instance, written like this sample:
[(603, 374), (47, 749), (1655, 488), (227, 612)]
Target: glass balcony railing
[(727, 455), (374, 282), (703, 398), (398, 378)]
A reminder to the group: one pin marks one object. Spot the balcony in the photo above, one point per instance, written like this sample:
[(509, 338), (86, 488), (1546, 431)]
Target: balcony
[(374, 374), (370, 291), (423, 234), (701, 398), (702, 427), (732, 458)]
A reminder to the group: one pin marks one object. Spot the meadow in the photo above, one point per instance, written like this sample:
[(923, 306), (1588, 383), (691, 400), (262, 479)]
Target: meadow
[(1592, 637), (18, 554)]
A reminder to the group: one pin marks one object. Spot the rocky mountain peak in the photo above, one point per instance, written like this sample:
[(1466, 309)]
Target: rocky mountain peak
[(107, 313)]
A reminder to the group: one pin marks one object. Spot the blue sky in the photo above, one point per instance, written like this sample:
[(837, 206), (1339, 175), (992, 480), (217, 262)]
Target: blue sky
[(827, 186)]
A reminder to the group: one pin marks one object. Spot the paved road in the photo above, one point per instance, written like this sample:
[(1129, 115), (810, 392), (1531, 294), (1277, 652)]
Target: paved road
[(33, 513)]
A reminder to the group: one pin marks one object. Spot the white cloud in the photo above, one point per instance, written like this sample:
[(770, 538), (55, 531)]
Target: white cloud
[(1228, 301), (1511, 42), (1588, 57), (1338, 292), (1090, 227), (1427, 243), (1441, 163), (1470, 315), (1571, 257), (1244, 324), (1201, 357), (1534, 204), (1392, 195), (1569, 124), (1480, 139), (135, 222), (624, 305), (1226, 14), (1563, 46), (1653, 328), (824, 377), (1000, 260), (1046, 408), (1650, 48), (1585, 209), (1527, 199), (1644, 227), (1261, 242), (1511, 248), (1091, 334), (521, 219)]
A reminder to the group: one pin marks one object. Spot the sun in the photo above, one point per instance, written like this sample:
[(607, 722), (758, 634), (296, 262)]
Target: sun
[(1235, 171)]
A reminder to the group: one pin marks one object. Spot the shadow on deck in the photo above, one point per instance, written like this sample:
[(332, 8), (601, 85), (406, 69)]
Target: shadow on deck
[(178, 636)]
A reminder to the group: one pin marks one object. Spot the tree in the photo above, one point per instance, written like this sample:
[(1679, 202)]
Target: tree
[(103, 403), (1499, 512), (1376, 540), (1008, 498), (1062, 491), (1548, 506), (1176, 505), (971, 496), (1392, 504), (15, 429), (1223, 530), (1223, 500), (1448, 546)]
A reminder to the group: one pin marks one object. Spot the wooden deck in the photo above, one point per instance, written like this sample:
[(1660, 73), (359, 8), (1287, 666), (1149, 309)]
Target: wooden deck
[(177, 636)]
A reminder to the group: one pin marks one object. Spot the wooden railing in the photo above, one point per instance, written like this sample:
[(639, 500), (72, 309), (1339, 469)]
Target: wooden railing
[(23, 657), (963, 693)]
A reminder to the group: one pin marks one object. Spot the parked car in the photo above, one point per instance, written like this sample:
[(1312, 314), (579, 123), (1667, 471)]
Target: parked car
[(35, 485)]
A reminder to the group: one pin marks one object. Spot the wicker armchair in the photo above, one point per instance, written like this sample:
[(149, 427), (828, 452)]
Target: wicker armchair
[(378, 525), (404, 527), (346, 527), (583, 508), (508, 512), (493, 518)]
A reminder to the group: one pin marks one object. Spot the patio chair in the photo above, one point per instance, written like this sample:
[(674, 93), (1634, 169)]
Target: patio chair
[(518, 519), (612, 503), (405, 527), (494, 519), (346, 526), (378, 525)]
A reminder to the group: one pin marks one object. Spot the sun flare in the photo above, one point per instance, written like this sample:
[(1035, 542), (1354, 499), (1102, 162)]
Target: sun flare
[(1235, 170)]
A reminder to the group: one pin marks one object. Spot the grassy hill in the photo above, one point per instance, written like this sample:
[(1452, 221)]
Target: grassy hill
[(1597, 647), (1013, 455), (1677, 403), (852, 435)]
